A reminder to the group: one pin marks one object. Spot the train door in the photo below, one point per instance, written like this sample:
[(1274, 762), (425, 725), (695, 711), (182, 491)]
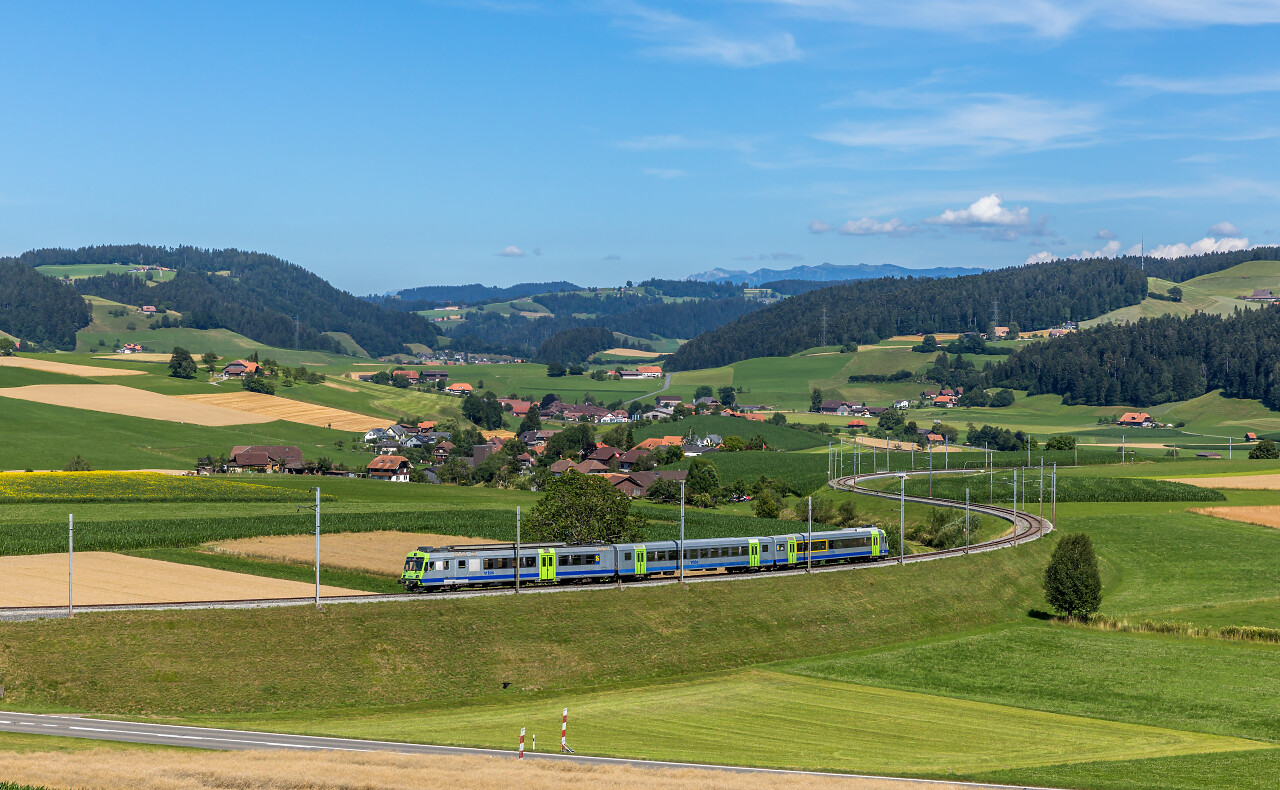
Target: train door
[(875, 543), (642, 562), (546, 565), (753, 552), (791, 551)]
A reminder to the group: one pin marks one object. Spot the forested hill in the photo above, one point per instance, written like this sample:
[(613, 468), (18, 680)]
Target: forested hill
[(1155, 360), (257, 295), (1035, 296), (39, 309), (428, 296)]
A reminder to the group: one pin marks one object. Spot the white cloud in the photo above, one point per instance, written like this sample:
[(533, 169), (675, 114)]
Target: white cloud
[(1223, 229), (872, 227), (1104, 234), (1224, 85), (680, 38), (985, 212), (1109, 250), (818, 226), (780, 256), (664, 172), (512, 251), (994, 122), (1205, 245), (1047, 18)]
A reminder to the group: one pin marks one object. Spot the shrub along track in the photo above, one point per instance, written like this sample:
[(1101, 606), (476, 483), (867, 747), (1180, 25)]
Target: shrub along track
[(1026, 526)]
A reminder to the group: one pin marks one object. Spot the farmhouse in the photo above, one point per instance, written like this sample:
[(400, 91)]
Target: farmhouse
[(394, 468), (667, 400), (411, 375), (1251, 437), (660, 441), (1259, 295), (459, 388), (518, 407), (129, 348), (148, 309), (628, 459), (1136, 419), (649, 371), (433, 375), (945, 401), (857, 425), (240, 368), (265, 458)]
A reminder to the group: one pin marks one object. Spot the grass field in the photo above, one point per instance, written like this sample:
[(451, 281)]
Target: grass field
[(1213, 293), (1073, 488), (126, 442), (807, 472), (791, 722), (78, 271), (134, 487), (776, 437)]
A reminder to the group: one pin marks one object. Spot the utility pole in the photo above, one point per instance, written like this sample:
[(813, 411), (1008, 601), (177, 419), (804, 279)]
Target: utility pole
[(1122, 448), (856, 459), (1229, 440), (518, 551), (931, 468), (71, 564), (317, 547), (1015, 506), (1055, 494), (966, 521), (1042, 486), (682, 533), (808, 549), (902, 521), (823, 342)]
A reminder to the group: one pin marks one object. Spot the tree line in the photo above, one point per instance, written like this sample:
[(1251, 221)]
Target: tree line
[(1155, 360), (1035, 296)]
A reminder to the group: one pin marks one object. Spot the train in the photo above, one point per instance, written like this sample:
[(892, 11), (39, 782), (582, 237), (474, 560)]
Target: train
[(496, 564)]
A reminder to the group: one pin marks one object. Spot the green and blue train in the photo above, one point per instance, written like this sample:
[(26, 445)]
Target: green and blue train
[(449, 567)]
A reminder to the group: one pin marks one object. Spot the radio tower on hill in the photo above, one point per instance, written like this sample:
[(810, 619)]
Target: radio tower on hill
[(823, 341)]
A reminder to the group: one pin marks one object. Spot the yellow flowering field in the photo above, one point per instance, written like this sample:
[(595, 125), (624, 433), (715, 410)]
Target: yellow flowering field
[(134, 487)]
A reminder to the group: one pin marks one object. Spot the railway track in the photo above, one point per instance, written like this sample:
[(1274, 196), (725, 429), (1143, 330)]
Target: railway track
[(1026, 526)]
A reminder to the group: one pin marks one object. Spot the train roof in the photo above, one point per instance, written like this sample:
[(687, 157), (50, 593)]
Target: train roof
[(694, 542)]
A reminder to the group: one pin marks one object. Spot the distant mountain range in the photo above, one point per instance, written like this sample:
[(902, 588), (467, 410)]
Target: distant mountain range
[(828, 272)]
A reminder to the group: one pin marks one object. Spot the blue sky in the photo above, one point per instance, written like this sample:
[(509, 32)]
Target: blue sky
[(387, 145)]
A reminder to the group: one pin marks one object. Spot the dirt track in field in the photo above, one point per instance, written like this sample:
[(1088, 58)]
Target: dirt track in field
[(1263, 515), (1255, 482), (373, 552), (115, 399), (273, 407), (192, 769), (68, 368), (102, 577), (141, 357)]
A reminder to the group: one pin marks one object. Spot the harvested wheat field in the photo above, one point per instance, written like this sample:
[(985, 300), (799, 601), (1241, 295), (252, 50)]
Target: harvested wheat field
[(115, 399), (895, 445), (621, 352), (103, 577), (272, 407), (69, 369), (1256, 482), (1263, 516), (374, 552), (102, 768), (337, 386)]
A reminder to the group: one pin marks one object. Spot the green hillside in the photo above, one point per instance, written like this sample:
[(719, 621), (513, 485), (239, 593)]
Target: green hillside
[(78, 271), (1215, 293)]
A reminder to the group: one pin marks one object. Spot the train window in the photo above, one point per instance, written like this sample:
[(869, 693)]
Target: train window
[(488, 565), (651, 556), (564, 559), (528, 562), (626, 556), (819, 545), (765, 548), (446, 565)]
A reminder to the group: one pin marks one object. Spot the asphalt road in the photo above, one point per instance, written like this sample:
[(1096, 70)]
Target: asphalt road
[(239, 740)]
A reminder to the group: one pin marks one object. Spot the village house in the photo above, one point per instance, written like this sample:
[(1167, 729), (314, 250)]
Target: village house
[(1136, 419), (265, 458), (1251, 437), (667, 400), (636, 484), (604, 454), (394, 468), (661, 441), (536, 438), (148, 309), (519, 408), (129, 348), (459, 388), (628, 459), (441, 451), (857, 425), (240, 368), (946, 401), (433, 375)]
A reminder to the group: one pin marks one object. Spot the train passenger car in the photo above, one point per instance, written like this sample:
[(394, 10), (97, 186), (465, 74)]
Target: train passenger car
[(447, 567)]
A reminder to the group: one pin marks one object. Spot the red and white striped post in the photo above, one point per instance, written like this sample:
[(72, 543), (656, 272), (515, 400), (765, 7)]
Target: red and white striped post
[(521, 743), (564, 731)]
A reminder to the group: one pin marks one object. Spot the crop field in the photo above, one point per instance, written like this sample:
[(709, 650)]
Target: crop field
[(134, 487), (1261, 482), (107, 578), (270, 407), (115, 399), (804, 722), (65, 368), (127, 442), (77, 271), (374, 552), (1070, 488), (776, 437), (1266, 515)]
